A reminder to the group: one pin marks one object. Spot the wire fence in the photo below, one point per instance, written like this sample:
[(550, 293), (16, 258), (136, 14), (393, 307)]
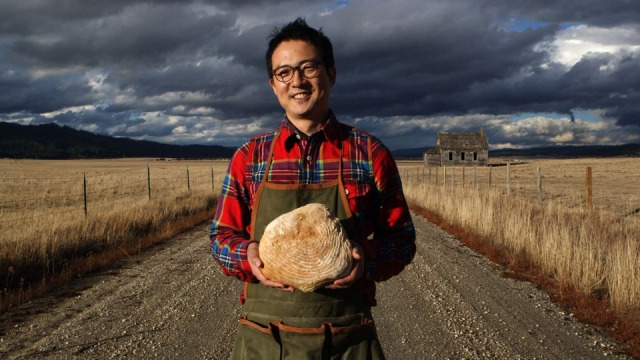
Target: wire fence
[(25, 198), (615, 190)]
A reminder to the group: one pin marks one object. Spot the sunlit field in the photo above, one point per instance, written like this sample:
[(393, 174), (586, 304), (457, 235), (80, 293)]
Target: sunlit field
[(53, 213), (592, 247), (615, 181)]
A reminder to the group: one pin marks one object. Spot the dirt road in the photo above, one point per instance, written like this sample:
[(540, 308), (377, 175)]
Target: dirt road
[(173, 302)]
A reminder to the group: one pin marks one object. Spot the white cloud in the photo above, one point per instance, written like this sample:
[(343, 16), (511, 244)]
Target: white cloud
[(179, 130), (72, 109), (173, 97), (573, 43), (565, 137)]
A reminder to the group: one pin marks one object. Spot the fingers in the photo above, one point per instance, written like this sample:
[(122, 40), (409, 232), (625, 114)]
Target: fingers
[(277, 285), (357, 269), (346, 281), (256, 268)]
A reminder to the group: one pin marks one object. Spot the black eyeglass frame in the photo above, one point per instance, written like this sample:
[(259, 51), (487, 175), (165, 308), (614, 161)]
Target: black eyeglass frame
[(300, 69)]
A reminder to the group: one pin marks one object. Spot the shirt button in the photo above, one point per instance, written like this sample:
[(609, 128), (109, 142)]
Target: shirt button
[(309, 158), (298, 136), (346, 191)]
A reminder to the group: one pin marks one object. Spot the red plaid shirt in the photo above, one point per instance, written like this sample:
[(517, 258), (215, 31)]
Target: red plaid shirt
[(371, 181)]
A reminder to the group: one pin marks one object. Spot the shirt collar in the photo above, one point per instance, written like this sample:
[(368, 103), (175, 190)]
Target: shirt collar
[(292, 134)]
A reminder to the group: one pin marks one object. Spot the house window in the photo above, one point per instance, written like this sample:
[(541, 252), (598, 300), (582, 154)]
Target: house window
[(462, 156), (475, 156), (450, 156)]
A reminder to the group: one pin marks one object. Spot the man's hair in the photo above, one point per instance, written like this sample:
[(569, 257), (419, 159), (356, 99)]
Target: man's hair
[(299, 30)]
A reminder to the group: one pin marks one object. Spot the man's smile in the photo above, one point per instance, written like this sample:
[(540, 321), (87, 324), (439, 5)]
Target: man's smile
[(300, 96)]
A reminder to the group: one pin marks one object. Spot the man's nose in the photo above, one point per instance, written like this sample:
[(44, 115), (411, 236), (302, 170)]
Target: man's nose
[(297, 77)]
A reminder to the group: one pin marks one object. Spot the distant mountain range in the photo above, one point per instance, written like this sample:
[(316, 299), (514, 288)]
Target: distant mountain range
[(627, 150), (52, 141)]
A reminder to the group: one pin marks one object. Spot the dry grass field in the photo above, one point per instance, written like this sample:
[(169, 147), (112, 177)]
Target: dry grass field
[(615, 181), (56, 213), (589, 254), (594, 249)]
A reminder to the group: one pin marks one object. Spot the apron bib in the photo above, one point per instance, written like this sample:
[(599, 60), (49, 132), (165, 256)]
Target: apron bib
[(323, 324)]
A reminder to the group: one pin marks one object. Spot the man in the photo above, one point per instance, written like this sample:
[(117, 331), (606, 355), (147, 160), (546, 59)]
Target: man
[(310, 157)]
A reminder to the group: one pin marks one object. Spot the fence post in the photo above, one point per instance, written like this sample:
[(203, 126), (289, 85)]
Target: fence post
[(436, 176), (212, 186), (84, 190), (463, 179), (475, 177), (188, 182), (430, 174), (148, 181), (490, 169), (539, 185), (444, 176), (508, 178), (589, 189), (453, 177)]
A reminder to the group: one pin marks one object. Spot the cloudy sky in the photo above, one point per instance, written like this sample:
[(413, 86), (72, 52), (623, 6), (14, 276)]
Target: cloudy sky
[(530, 72)]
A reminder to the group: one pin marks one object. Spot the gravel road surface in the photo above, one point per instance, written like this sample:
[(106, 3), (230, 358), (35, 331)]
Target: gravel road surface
[(173, 302)]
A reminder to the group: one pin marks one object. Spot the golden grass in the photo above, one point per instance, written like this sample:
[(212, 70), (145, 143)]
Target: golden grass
[(593, 251), (616, 181), (44, 231)]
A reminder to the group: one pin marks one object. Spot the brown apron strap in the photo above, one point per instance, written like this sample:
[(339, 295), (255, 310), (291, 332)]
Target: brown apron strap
[(258, 195)]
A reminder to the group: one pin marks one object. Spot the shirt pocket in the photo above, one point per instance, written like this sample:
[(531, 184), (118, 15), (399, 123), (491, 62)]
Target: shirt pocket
[(359, 196)]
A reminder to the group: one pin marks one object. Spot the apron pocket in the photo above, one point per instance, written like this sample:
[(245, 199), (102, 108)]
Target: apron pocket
[(330, 342), (356, 342), (304, 343), (255, 341)]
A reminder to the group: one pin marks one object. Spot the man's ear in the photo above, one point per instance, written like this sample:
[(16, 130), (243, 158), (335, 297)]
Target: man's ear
[(332, 75), (273, 85)]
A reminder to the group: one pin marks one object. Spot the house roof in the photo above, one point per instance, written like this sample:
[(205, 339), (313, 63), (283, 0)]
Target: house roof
[(459, 141), (462, 141)]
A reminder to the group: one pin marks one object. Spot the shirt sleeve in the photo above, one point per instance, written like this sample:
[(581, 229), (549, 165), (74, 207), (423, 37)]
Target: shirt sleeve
[(392, 246), (228, 232)]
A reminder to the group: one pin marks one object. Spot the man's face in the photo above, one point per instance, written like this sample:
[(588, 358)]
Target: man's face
[(302, 98)]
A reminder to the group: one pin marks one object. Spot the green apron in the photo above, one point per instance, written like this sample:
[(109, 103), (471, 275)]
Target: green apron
[(323, 324)]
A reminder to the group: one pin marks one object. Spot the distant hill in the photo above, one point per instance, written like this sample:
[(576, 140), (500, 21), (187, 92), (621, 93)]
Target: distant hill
[(627, 150), (52, 141)]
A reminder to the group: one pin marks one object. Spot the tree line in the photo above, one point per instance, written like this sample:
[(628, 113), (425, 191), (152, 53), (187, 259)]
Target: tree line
[(52, 141)]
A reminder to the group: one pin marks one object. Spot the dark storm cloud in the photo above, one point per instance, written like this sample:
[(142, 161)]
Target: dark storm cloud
[(429, 64), (139, 36), (443, 64), (591, 12), (163, 69)]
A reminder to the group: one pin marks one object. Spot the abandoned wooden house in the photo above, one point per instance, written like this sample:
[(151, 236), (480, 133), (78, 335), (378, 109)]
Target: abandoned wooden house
[(459, 149)]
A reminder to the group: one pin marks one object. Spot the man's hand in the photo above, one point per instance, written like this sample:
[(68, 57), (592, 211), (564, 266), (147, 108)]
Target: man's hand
[(357, 269), (256, 265)]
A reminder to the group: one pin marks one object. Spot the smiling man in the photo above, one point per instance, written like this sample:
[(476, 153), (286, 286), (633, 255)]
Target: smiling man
[(302, 88), (310, 157)]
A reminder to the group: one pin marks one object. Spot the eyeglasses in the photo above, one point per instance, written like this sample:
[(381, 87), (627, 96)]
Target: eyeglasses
[(308, 70)]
